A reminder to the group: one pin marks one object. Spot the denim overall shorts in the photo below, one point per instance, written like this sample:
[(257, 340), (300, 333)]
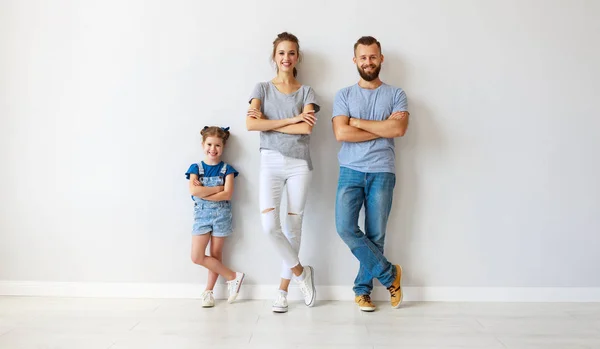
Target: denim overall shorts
[(212, 216)]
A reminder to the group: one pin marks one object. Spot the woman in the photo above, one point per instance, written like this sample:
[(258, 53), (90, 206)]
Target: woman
[(283, 110)]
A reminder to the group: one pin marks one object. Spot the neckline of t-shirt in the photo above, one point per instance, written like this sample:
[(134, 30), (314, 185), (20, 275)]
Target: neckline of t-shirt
[(221, 162), (286, 94), (370, 89)]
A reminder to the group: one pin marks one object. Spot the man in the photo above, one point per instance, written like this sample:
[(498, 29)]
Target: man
[(367, 117)]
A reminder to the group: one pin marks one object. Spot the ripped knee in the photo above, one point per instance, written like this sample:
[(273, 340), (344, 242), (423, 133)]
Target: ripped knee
[(268, 210), (294, 214)]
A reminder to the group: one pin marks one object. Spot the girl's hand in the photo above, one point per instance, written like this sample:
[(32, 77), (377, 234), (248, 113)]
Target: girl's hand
[(197, 183), (308, 117), (255, 114)]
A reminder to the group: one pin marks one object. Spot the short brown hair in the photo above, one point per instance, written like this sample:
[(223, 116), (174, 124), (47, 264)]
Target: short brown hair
[(367, 41), (215, 131)]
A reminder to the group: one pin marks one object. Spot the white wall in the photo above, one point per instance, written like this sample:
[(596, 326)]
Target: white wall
[(101, 106)]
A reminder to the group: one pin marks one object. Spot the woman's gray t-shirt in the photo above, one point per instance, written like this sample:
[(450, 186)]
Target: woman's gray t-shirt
[(276, 105)]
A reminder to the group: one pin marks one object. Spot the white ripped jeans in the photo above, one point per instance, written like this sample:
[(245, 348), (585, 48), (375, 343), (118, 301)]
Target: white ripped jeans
[(277, 171)]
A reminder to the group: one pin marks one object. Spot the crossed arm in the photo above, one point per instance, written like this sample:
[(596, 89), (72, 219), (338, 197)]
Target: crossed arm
[(218, 193), (300, 124), (348, 129)]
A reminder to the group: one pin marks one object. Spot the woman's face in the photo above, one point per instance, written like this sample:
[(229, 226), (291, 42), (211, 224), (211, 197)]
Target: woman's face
[(286, 56)]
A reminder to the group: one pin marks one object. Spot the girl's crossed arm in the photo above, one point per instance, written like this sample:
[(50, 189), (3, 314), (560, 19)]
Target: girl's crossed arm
[(198, 190), (226, 194)]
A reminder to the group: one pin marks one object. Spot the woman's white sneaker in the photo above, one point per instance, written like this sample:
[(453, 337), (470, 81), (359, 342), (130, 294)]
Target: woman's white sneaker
[(280, 305), (307, 286)]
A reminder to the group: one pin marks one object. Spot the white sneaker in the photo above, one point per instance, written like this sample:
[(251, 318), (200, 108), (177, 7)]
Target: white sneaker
[(208, 300), (233, 287), (280, 305), (307, 286)]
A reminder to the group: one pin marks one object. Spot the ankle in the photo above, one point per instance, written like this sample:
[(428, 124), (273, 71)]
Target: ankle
[(298, 270)]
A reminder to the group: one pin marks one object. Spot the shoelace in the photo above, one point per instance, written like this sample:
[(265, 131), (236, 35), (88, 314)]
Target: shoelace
[(366, 298), (206, 296), (304, 289), (231, 285), (393, 291), (280, 300)]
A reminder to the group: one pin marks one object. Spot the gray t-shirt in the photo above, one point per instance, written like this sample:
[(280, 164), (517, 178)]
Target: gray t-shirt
[(377, 155), (276, 105)]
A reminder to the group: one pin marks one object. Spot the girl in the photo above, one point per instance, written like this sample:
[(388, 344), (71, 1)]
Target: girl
[(283, 111), (211, 186)]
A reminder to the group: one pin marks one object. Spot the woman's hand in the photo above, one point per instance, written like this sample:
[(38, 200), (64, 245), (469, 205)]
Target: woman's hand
[(255, 114), (308, 117)]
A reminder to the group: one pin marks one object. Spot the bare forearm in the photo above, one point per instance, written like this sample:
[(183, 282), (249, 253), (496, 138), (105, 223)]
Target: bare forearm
[(253, 124), (347, 133), (385, 129), (221, 196), (202, 191), (301, 128)]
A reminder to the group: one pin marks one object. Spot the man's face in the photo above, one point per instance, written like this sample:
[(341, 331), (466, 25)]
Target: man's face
[(368, 61)]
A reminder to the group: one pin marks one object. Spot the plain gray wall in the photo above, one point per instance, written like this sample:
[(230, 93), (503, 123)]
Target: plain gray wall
[(101, 106)]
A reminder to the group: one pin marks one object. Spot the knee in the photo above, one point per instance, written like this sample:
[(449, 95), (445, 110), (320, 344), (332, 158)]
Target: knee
[(269, 220), (198, 259), (344, 229), (349, 235), (294, 221), (217, 255)]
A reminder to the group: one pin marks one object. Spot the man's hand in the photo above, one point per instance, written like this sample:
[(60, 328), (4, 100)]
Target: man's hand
[(399, 115)]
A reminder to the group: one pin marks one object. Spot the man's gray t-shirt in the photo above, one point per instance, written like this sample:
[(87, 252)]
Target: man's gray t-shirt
[(276, 105), (377, 155)]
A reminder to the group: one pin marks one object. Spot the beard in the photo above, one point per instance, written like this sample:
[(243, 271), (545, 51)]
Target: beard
[(374, 74)]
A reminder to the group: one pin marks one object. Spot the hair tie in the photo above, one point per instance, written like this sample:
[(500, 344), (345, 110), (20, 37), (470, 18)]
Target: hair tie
[(225, 128), (205, 127)]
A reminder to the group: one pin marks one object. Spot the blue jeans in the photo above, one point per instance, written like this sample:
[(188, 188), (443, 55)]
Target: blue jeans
[(376, 191)]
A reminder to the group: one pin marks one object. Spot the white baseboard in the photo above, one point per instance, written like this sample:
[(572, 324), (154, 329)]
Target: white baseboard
[(170, 290)]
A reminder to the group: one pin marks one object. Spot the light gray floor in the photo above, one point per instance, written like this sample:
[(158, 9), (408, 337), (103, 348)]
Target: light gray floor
[(146, 324)]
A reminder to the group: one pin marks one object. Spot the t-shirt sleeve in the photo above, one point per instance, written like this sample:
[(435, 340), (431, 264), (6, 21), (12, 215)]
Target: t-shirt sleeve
[(340, 105), (230, 170), (400, 101), (310, 98), (258, 92), (192, 170)]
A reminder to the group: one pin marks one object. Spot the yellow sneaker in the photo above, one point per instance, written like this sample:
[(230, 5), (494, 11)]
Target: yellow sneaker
[(396, 289), (364, 302)]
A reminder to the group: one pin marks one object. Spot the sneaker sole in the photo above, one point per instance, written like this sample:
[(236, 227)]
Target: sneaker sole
[(208, 306), (314, 297), (280, 310), (367, 309), (401, 292), (237, 291)]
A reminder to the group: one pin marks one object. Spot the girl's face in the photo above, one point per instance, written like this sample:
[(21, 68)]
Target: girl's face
[(286, 56), (213, 148)]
